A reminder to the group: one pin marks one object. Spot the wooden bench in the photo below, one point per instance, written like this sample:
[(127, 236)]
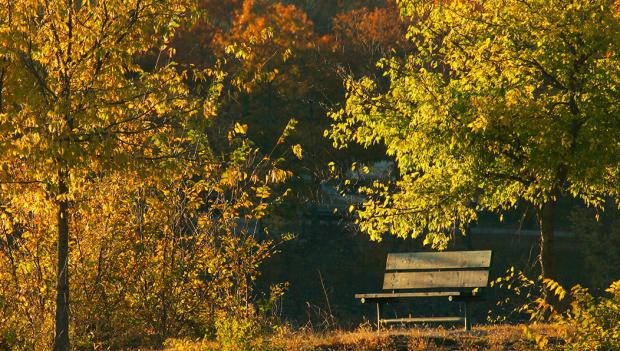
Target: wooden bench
[(457, 275)]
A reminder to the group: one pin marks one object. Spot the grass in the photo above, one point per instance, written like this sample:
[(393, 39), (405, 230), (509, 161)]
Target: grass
[(483, 337), (488, 337)]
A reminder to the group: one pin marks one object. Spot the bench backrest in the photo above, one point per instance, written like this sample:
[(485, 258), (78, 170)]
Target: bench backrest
[(432, 270)]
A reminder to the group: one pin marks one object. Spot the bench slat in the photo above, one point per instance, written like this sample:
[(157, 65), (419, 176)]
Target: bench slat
[(408, 294), (423, 319), (438, 260), (428, 280)]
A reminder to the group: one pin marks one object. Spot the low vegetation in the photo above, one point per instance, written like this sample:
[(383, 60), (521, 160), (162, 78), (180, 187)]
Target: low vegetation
[(588, 323), (578, 321), (493, 337)]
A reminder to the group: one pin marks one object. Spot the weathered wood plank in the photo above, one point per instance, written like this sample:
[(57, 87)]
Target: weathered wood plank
[(443, 279), (438, 260), (408, 294), (423, 319)]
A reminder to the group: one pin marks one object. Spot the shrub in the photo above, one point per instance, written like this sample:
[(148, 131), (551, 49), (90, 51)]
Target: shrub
[(583, 322), (238, 333), (152, 260), (588, 324)]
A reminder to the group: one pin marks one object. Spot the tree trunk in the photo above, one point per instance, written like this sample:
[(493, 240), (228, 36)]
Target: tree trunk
[(61, 335), (546, 257)]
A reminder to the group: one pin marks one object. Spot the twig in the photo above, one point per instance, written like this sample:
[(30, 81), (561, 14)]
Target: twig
[(329, 308)]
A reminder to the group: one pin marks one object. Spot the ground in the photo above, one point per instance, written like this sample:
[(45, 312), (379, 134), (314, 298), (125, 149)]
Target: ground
[(483, 337), (499, 337)]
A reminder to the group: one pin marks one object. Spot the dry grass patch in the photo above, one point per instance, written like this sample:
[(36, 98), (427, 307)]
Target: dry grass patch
[(492, 338), (483, 337)]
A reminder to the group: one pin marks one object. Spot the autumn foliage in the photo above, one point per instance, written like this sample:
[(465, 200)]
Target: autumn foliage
[(148, 148)]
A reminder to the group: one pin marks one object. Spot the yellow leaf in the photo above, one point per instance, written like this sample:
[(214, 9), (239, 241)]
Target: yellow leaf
[(241, 129), (263, 192), (298, 151)]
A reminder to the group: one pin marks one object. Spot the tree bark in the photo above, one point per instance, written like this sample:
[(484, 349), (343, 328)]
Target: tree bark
[(61, 335), (546, 257)]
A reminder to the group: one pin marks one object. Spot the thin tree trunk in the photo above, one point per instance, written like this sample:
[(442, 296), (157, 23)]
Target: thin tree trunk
[(546, 257), (164, 287), (61, 335)]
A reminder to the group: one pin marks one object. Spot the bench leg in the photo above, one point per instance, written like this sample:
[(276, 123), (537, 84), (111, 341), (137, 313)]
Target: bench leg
[(467, 319), (378, 316)]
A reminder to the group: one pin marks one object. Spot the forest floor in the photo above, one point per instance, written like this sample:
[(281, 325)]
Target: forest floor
[(483, 337)]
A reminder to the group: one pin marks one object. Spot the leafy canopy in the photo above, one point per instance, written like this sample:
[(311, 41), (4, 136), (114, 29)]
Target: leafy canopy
[(501, 101), (75, 97)]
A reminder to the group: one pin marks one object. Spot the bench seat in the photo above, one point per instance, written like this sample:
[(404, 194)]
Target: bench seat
[(424, 320), (366, 297)]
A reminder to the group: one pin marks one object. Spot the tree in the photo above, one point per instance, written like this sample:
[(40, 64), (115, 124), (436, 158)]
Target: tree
[(503, 102), (276, 72), (362, 36), (321, 12), (75, 104)]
